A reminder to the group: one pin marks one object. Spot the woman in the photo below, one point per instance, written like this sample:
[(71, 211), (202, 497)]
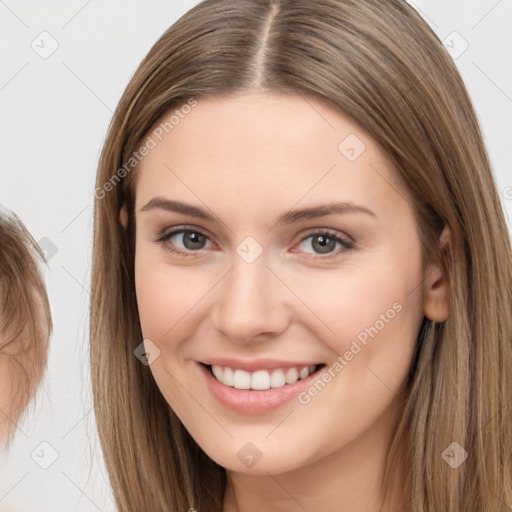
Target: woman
[(302, 272)]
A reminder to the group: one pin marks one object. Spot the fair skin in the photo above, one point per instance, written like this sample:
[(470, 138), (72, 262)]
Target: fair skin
[(247, 160), (6, 377), (13, 356)]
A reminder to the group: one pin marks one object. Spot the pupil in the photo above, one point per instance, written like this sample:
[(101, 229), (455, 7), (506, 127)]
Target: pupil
[(325, 244), (195, 240)]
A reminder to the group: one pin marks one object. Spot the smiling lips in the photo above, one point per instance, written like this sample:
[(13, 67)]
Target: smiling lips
[(260, 379), (254, 387)]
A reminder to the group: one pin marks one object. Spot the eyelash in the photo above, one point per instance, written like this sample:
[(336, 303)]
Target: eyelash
[(333, 235)]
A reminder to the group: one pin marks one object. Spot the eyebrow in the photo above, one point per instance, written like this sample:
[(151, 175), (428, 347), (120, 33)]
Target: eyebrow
[(286, 218)]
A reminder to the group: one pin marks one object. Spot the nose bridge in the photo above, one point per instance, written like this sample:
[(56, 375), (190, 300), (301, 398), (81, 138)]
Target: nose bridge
[(249, 279), (249, 301)]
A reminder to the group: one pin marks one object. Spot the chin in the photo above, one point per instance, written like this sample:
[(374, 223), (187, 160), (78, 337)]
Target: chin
[(255, 458)]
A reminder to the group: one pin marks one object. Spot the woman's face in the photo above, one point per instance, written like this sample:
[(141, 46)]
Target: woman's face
[(275, 240)]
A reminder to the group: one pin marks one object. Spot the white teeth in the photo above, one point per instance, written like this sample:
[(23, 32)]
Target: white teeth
[(292, 375), (242, 379), (304, 372), (261, 379), (218, 372), (228, 377), (277, 379)]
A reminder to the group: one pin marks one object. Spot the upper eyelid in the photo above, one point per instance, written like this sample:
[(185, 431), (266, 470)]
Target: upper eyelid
[(165, 233)]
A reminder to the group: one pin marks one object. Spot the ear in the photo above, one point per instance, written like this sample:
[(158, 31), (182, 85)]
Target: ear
[(123, 216), (437, 286)]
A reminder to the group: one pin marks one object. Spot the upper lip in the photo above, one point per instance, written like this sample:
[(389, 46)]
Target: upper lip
[(253, 365)]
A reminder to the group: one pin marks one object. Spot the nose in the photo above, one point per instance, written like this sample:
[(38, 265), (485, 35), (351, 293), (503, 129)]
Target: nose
[(251, 303)]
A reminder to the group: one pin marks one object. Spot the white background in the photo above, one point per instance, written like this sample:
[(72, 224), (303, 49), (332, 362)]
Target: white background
[(54, 116)]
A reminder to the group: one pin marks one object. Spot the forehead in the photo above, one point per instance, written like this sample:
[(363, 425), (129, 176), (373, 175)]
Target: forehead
[(264, 150)]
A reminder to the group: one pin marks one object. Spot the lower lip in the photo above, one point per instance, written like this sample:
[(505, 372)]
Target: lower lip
[(253, 402)]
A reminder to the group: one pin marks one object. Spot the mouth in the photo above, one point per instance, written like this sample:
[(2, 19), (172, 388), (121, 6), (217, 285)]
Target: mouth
[(255, 387), (263, 379)]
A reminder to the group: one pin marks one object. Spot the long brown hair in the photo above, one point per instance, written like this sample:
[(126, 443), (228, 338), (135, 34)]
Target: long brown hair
[(379, 64)]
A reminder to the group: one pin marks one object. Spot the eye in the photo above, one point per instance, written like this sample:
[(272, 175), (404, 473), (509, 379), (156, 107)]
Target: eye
[(325, 242), (186, 242), (190, 240)]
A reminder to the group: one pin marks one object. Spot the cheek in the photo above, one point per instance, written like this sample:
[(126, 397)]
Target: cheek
[(373, 305), (162, 298), (366, 312), (169, 298)]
